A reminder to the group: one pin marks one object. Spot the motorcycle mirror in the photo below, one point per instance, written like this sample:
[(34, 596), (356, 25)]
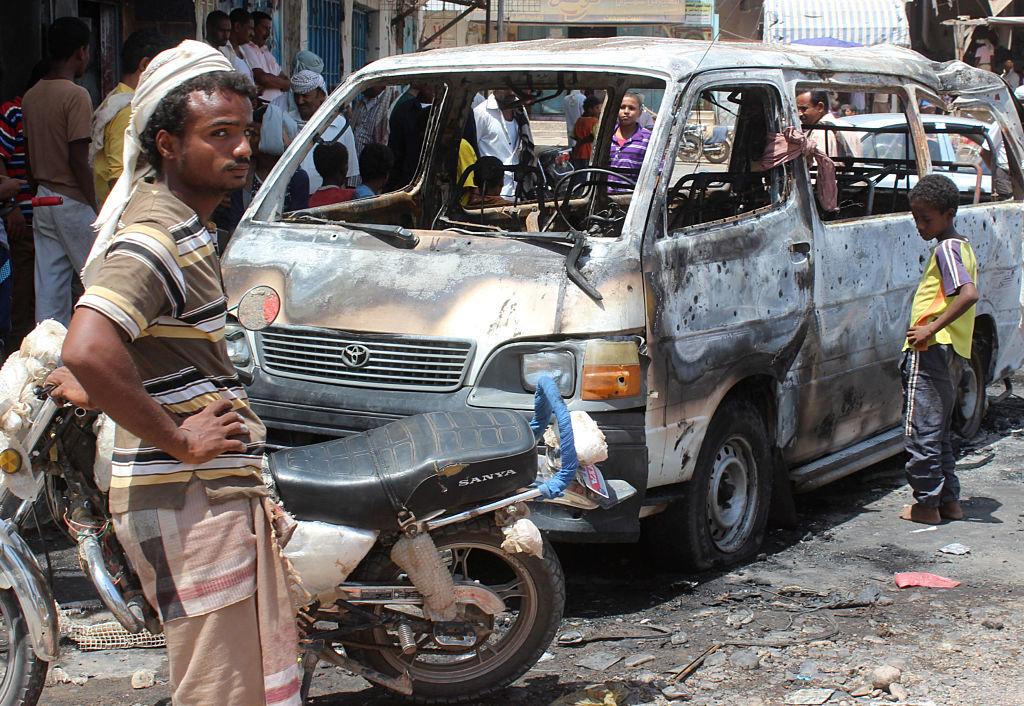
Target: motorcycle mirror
[(258, 308)]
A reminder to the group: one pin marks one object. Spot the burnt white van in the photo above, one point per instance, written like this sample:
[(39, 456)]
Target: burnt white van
[(735, 342)]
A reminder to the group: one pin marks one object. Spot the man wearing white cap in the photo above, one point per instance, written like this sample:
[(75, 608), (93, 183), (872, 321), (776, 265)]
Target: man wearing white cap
[(310, 92), (147, 345)]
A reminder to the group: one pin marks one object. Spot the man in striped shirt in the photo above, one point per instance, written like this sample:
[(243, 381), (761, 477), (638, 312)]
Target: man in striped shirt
[(629, 143), (147, 345)]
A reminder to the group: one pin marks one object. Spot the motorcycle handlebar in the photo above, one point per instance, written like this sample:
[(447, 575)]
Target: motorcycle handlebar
[(547, 401)]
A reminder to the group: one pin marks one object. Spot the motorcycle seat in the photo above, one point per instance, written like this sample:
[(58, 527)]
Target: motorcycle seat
[(419, 465)]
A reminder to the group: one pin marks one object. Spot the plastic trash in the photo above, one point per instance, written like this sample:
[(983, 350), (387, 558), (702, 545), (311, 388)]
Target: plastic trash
[(104, 427), (44, 342), (926, 580), (591, 446), (956, 549), (523, 537)]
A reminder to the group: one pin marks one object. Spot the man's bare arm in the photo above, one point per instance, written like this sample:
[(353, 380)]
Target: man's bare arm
[(94, 351), (78, 155), (264, 79)]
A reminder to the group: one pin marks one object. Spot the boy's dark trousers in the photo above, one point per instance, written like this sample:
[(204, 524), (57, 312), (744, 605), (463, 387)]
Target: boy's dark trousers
[(930, 381)]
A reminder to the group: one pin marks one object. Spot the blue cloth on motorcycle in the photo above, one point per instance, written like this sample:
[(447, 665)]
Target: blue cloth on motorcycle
[(547, 400)]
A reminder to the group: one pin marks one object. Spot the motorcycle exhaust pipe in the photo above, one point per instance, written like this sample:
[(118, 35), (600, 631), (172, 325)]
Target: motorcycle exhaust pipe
[(90, 556)]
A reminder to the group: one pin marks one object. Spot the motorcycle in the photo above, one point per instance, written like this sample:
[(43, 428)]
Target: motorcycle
[(420, 568), (714, 146)]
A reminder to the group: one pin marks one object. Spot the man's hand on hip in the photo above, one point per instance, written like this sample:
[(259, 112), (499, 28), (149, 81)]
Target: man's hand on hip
[(208, 434)]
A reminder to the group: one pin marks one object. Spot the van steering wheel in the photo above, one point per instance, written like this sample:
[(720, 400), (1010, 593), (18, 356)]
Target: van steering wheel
[(612, 214)]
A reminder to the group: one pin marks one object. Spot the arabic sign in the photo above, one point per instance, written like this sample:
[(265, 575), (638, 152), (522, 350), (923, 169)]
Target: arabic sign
[(678, 12)]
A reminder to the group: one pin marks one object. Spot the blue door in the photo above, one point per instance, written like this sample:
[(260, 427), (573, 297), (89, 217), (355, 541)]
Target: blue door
[(360, 37), (325, 37)]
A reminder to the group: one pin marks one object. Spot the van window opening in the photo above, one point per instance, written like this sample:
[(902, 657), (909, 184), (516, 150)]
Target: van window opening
[(716, 173), (476, 153), (876, 159)]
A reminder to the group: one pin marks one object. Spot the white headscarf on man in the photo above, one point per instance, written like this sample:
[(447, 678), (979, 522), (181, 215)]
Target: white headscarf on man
[(168, 70)]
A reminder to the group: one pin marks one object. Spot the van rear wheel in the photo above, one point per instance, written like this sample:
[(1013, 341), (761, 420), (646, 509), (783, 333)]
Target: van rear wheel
[(971, 402), (721, 519)]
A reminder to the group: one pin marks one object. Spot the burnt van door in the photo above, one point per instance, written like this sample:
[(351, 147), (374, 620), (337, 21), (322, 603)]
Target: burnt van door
[(728, 268), (869, 259)]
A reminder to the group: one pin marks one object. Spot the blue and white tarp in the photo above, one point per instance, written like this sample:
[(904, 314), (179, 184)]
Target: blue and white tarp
[(853, 22)]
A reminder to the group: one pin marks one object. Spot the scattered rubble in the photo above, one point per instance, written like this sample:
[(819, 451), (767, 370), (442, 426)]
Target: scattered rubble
[(143, 679)]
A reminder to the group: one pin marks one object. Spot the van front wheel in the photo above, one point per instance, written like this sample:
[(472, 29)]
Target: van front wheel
[(721, 519)]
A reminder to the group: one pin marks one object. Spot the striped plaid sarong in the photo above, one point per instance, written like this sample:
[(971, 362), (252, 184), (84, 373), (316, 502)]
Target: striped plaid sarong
[(203, 557)]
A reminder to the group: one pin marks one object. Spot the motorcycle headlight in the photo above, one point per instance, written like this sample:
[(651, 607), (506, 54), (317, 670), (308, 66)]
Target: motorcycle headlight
[(559, 365), (238, 346)]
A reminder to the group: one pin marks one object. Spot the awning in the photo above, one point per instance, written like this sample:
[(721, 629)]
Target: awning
[(863, 22)]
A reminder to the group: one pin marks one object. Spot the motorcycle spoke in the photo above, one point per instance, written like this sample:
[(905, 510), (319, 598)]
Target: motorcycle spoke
[(460, 562), (512, 589)]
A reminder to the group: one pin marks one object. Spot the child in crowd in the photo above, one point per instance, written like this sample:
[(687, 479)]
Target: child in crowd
[(331, 161), (375, 164), (583, 132), (938, 345)]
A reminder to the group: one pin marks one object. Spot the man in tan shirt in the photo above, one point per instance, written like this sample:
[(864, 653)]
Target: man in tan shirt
[(58, 127)]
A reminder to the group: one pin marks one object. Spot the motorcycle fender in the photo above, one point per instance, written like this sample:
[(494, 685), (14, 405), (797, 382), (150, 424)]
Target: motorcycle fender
[(20, 572)]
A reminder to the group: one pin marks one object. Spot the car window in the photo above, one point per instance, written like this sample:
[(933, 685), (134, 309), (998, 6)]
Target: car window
[(716, 167)]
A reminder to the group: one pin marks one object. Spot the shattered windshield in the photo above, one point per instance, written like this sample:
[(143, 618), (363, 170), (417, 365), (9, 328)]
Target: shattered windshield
[(488, 153)]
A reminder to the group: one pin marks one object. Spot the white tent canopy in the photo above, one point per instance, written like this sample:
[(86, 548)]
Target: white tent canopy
[(860, 22)]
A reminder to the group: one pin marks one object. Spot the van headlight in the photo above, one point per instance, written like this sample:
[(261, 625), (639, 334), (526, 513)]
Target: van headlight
[(559, 365), (238, 346)]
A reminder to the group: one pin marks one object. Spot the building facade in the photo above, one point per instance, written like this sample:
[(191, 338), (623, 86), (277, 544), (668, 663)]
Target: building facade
[(345, 33)]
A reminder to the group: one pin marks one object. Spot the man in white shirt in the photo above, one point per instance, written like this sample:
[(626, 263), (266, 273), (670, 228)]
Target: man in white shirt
[(310, 92), (241, 34), (500, 134), (266, 72)]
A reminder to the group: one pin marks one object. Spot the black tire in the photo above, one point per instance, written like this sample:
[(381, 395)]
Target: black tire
[(433, 683), (971, 401), (718, 154), (721, 519), (24, 673)]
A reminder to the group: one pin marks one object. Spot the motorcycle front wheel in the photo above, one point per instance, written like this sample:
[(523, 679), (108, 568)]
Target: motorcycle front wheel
[(534, 593), (23, 672)]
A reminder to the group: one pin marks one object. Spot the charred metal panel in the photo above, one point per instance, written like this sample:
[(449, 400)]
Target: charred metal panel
[(490, 290), (726, 301)]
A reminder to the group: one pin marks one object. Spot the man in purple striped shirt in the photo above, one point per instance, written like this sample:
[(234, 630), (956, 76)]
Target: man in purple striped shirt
[(629, 143)]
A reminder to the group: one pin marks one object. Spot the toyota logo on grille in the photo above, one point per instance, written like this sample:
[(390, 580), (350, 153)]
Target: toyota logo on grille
[(355, 355)]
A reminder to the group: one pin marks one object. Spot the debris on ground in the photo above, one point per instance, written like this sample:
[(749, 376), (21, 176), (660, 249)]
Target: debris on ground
[(638, 660), (599, 661), (976, 460), (609, 694), (143, 679), (58, 675), (809, 697), (899, 691), (924, 579), (883, 676), (956, 549)]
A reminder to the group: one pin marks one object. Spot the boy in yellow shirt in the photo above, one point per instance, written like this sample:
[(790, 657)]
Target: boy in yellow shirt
[(938, 345)]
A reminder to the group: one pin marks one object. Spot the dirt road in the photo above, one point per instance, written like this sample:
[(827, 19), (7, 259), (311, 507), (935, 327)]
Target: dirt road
[(956, 646)]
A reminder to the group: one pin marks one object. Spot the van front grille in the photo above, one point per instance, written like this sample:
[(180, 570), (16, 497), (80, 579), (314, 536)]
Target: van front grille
[(387, 363)]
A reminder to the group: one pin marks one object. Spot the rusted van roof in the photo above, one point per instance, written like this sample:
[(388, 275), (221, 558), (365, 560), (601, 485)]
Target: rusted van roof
[(677, 58)]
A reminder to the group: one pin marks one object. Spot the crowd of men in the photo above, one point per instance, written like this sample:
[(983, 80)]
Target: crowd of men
[(53, 143)]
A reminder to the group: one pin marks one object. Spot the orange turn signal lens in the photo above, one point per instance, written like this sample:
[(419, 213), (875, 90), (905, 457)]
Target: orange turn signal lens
[(611, 369), (10, 461)]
